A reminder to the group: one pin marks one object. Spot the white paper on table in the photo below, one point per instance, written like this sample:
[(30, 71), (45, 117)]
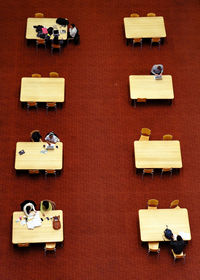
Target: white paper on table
[(184, 235), (34, 221)]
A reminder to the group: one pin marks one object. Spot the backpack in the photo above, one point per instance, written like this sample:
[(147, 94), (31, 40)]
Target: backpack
[(168, 233)]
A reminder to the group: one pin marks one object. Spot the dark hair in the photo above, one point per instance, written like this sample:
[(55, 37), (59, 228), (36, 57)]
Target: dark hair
[(159, 68), (28, 209), (45, 203), (73, 25), (179, 238)]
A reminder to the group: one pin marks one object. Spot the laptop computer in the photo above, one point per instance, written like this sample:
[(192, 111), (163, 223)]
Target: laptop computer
[(158, 77)]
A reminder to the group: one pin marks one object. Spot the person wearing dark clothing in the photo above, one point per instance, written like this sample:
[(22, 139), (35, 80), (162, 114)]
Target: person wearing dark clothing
[(35, 136), (177, 245)]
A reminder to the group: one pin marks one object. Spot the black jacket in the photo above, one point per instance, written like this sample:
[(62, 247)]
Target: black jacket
[(177, 246)]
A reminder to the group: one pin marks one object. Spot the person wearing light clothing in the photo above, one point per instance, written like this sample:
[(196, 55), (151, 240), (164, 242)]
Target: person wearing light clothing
[(51, 137), (157, 69), (28, 206), (72, 31)]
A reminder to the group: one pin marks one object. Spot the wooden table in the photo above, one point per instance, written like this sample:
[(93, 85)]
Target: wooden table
[(35, 159), (145, 86), (42, 89), (158, 154), (46, 22), (144, 27), (44, 233), (153, 223)]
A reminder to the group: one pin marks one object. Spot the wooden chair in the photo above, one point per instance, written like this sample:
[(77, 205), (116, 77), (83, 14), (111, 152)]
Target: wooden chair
[(166, 170), (33, 171), (151, 15), (51, 105), (147, 171), (50, 172), (139, 100), (137, 41), (167, 137), (40, 42), (174, 204), (155, 41), (32, 105), (39, 15), (53, 75), (23, 245), (152, 204), (153, 247), (178, 256), (36, 75), (55, 47), (50, 247), (145, 134), (134, 15)]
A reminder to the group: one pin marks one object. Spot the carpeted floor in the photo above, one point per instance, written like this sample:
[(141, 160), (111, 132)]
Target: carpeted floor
[(98, 190)]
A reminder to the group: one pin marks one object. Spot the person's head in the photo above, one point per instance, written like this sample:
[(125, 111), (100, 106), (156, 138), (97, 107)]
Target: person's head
[(179, 238), (28, 209), (72, 25), (45, 203), (51, 134), (159, 68)]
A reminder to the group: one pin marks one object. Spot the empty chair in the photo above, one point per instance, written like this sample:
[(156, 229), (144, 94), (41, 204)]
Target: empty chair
[(153, 247), (50, 172), (166, 170), (32, 105), (36, 75), (152, 203), (53, 75), (39, 15), (51, 105), (151, 15), (140, 100), (155, 41), (33, 171), (23, 245), (174, 204), (134, 15), (50, 247), (145, 134), (167, 137), (40, 42), (178, 256), (148, 171), (137, 41)]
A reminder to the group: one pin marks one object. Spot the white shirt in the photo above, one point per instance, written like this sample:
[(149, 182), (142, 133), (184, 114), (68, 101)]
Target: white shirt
[(31, 206), (54, 139), (72, 31)]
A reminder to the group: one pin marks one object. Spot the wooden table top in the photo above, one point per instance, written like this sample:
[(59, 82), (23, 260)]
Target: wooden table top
[(46, 22), (145, 86), (42, 89), (153, 223), (144, 27), (42, 234), (158, 154), (35, 159)]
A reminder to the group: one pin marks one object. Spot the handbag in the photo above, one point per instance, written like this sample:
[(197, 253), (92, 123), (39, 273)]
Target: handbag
[(56, 222)]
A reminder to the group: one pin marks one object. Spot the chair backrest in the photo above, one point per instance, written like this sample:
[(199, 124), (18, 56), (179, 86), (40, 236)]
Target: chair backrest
[(167, 137), (36, 75), (151, 15), (146, 131), (134, 15), (33, 171), (155, 40), (141, 100), (32, 104), (53, 74), (174, 203), (39, 15), (152, 202)]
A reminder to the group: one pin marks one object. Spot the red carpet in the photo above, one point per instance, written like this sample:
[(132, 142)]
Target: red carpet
[(98, 189)]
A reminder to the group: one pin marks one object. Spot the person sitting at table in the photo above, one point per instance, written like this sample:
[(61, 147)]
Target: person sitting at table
[(177, 245), (28, 206), (47, 205), (72, 31), (157, 69), (35, 136), (51, 137)]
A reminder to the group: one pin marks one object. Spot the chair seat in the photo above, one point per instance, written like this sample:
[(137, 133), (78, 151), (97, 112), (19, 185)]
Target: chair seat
[(54, 46), (144, 138), (153, 247), (50, 246)]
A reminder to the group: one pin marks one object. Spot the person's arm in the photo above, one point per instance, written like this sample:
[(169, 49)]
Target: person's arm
[(41, 209), (152, 70)]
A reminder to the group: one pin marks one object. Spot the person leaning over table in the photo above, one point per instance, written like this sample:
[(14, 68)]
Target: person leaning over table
[(28, 206), (177, 245), (72, 31), (47, 205), (157, 69), (51, 137)]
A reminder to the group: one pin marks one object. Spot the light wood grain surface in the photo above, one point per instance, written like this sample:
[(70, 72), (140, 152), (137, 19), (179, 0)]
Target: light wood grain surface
[(42, 234), (153, 223), (145, 86), (144, 27), (34, 159), (42, 89), (46, 22), (158, 154)]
